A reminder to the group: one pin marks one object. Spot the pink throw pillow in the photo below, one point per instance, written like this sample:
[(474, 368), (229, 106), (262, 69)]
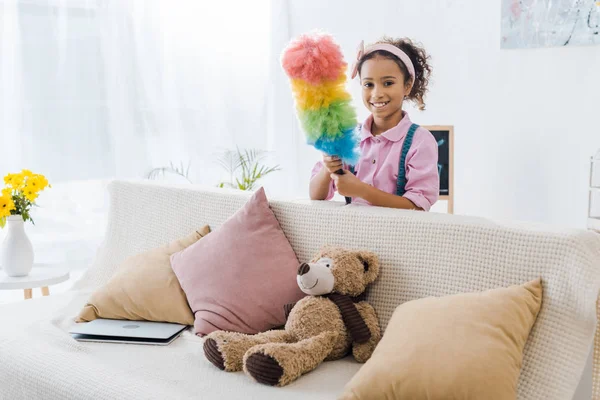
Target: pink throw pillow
[(240, 276)]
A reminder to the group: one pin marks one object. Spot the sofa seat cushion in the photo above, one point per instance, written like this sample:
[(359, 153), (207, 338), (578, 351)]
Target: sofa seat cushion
[(39, 359)]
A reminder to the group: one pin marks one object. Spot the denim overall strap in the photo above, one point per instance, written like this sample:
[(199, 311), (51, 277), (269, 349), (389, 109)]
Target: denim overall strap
[(401, 184)]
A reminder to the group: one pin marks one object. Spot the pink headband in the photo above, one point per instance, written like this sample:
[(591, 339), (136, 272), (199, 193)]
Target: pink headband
[(386, 47)]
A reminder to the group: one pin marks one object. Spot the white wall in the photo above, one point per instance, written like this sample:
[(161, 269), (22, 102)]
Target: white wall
[(526, 121)]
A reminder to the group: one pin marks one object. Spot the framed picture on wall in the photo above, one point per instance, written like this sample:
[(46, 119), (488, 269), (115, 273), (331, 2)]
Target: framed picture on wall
[(444, 135)]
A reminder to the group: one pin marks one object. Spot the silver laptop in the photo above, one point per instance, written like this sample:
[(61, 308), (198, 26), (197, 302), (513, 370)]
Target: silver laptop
[(123, 331)]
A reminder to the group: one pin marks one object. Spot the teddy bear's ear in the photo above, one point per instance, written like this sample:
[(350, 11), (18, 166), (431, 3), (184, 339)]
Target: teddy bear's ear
[(370, 263), (325, 250)]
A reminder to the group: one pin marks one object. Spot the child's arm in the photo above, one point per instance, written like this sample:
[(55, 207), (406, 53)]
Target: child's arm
[(383, 199), (422, 175), (321, 187), (320, 183), (350, 185)]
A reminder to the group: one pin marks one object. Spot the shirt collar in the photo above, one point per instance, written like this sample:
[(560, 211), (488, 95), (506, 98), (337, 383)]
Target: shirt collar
[(394, 134)]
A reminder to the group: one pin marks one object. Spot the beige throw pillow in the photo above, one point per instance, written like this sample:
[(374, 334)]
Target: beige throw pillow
[(465, 346), (144, 288)]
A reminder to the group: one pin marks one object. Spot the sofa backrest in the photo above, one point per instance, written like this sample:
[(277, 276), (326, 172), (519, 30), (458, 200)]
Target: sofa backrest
[(421, 254)]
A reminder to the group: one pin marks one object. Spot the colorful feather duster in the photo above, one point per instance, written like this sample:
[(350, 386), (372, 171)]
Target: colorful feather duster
[(316, 67)]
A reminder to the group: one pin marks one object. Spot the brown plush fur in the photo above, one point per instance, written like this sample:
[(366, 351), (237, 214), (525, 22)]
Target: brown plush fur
[(363, 351), (314, 331)]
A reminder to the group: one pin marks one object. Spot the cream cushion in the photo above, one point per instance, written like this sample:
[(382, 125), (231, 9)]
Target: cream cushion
[(144, 287), (464, 346)]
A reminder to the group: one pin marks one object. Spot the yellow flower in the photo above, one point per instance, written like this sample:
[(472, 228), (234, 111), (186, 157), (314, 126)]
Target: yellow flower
[(27, 184), (30, 193), (34, 183), (8, 179), (6, 205), (40, 181), (17, 181)]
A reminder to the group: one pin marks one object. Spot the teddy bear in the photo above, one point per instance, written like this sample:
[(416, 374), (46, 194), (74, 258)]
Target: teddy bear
[(332, 320)]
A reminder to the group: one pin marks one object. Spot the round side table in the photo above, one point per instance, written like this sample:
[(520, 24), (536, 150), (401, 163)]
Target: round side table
[(41, 276)]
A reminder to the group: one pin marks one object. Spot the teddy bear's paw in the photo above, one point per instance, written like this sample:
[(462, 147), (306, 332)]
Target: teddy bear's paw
[(363, 351), (225, 350), (281, 363), (264, 368), (212, 353)]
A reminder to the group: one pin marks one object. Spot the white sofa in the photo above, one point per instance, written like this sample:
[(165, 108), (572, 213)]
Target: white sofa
[(422, 254)]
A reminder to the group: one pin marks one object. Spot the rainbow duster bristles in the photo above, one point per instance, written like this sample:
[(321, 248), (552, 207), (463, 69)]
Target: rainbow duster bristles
[(316, 67)]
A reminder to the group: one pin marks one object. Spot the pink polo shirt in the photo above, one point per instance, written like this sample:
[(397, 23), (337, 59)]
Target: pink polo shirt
[(380, 159)]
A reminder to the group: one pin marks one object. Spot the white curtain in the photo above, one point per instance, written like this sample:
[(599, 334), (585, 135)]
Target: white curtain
[(112, 88)]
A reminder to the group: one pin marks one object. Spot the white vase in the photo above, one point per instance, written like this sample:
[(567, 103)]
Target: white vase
[(16, 252)]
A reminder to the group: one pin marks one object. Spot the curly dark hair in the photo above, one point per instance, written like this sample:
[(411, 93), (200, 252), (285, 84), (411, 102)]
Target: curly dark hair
[(420, 60)]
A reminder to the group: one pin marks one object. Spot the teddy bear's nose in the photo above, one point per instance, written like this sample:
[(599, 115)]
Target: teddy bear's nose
[(304, 268)]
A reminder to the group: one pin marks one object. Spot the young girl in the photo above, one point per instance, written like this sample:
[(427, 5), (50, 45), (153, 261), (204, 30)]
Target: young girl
[(398, 162)]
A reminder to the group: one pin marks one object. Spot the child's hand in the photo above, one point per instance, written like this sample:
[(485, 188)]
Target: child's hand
[(348, 185), (332, 163)]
